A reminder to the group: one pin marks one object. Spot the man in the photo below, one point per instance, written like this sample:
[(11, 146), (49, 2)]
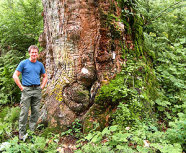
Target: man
[(31, 70)]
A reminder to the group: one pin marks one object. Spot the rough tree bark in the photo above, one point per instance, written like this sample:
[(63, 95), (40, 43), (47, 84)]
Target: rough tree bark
[(82, 52)]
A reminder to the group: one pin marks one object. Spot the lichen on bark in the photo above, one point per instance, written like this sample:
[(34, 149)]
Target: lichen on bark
[(85, 43)]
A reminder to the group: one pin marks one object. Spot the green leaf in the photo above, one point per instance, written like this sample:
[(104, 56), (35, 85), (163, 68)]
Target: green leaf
[(105, 131), (97, 138), (113, 128), (89, 136)]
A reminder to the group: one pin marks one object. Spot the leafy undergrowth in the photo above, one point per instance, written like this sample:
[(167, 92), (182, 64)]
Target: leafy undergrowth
[(9, 135), (141, 138), (43, 140)]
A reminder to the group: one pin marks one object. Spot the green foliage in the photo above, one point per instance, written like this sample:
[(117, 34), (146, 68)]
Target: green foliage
[(9, 128), (173, 140), (8, 122), (164, 35), (177, 131), (3, 112), (128, 3), (141, 138), (12, 115), (20, 23), (34, 144), (74, 130), (9, 93), (134, 89)]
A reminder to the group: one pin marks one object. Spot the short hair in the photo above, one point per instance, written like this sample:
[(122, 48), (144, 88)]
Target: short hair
[(33, 47)]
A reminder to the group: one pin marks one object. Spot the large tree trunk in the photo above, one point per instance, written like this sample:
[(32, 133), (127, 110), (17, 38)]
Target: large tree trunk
[(82, 52)]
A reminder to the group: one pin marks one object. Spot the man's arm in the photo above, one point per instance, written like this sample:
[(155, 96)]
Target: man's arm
[(16, 79), (44, 81)]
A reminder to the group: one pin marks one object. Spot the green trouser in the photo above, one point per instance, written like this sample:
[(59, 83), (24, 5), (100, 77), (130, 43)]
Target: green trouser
[(31, 96)]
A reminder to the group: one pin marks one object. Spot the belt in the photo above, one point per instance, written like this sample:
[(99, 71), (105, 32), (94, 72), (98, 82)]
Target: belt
[(33, 85)]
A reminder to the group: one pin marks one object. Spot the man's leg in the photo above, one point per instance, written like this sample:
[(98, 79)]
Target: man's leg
[(25, 104), (35, 107)]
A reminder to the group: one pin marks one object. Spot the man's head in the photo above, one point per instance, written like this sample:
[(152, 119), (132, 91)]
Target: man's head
[(33, 52), (33, 47)]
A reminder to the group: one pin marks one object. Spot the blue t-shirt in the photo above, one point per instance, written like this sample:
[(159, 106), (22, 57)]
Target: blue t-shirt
[(31, 72)]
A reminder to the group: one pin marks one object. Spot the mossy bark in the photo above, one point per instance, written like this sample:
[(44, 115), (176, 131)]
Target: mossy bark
[(137, 77)]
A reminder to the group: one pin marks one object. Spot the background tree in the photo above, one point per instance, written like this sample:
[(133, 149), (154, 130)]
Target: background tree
[(20, 26), (20, 23)]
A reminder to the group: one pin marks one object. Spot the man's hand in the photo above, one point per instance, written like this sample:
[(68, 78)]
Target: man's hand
[(22, 88), (16, 79), (44, 81)]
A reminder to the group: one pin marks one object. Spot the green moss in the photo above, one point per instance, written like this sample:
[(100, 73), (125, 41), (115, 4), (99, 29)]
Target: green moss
[(111, 17), (138, 36), (83, 93), (96, 118), (127, 25), (134, 89), (49, 130), (108, 21)]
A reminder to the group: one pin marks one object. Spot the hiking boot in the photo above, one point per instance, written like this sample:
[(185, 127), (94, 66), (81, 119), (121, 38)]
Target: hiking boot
[(23, 137)]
